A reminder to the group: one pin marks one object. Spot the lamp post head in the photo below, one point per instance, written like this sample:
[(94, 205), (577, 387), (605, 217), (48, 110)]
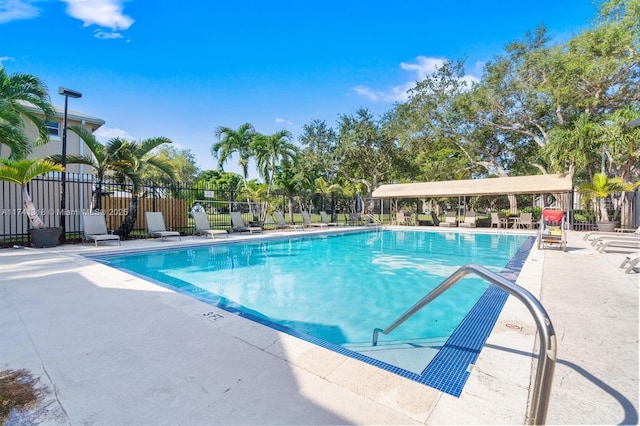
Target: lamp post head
[(69, 93)]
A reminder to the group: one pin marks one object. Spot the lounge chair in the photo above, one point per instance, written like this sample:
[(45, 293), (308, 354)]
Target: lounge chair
[(631, 265), (552, 230), (282, 224), (156, 226), (449, 220), (499, 220), (204, 228), (595, 235), (306, 220), (605, 245), (239, 226), (325, 219), (469, 220), (95, 229)]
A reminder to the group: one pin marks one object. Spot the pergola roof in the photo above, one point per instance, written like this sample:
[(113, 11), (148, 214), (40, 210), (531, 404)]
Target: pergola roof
[(538, 184)]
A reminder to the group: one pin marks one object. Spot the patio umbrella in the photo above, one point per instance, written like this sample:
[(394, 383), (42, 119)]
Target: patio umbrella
[(358, 203)]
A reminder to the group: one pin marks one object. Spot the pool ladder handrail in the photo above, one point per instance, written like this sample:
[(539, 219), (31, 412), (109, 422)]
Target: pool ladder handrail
[(548, 348)]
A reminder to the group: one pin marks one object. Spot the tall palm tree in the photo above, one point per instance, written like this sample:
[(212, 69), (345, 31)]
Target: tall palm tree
[(19, 93), (138, 156), (22, 172), (270, 151), (111, 158), (234, 142), (125, 161)]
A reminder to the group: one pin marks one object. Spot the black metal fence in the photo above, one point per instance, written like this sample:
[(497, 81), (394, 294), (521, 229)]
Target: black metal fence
[(118, 203)]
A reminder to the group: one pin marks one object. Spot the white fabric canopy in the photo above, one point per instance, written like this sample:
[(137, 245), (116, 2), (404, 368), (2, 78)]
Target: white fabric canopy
[(538, 184)]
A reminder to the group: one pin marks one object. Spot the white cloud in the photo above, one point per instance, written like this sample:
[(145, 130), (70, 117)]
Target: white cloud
[(422, 68), (105, 13), (5, 58), (13, 10), (282, 120), (104, 133), (106, 36)]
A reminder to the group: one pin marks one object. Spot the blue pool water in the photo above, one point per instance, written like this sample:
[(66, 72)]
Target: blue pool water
[(335, 287)]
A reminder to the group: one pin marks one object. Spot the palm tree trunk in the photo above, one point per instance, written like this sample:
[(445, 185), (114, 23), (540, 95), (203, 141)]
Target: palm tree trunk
[(30, 209), (129, 220)]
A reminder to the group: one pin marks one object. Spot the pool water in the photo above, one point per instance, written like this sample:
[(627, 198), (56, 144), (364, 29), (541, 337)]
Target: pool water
[(335, 287)]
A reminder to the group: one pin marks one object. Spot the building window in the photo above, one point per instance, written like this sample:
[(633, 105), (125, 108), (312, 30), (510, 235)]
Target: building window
[(54, 129)]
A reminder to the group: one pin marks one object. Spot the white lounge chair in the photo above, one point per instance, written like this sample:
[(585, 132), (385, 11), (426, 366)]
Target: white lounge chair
[(95, 229), (605, 245), (620, 232), (204, 228), (239, 226), (469, 220), (325, 219), (157, 228), (449, 220), (282, 224), (631, 265), (306, 220)]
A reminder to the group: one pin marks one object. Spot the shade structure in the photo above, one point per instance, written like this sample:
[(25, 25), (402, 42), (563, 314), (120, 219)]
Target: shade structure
[(538, 184)]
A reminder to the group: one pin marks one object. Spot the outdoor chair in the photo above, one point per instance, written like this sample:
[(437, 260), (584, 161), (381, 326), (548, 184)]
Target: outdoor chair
[(157, 228), (239, 226), (449, 220), (282, 224), (95, 229), (204, 228), (499, 220), (552, 230), (325, 219), (524, 221), (306, 220), (401, 219), (469, 220)]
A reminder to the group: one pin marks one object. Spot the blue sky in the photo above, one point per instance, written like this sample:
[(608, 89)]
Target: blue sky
[(181, 69)]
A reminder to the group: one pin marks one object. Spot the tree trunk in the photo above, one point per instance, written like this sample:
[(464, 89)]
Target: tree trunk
[(30, 209), (129, 220)]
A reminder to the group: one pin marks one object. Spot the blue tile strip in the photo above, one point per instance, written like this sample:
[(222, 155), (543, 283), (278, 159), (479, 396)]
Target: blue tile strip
[(448, 371)]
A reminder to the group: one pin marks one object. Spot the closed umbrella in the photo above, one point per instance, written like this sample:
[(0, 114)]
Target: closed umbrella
[(358, 203)]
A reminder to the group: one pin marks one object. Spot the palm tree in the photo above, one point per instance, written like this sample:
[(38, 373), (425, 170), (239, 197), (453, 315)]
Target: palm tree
[(324, 188), (602, 187), (22, 172), (19, 93), (106, 159), (270, 152), (125, 161), (234, 141), (138, 156)]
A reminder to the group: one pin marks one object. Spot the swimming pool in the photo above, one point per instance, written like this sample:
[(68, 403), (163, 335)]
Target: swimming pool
[(334, 289)]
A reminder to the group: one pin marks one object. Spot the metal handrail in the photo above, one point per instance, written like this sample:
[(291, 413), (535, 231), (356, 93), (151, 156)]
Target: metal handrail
[(548, 349)]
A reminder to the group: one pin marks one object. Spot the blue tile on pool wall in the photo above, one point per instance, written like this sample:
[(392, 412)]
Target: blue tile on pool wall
[(448, 371)]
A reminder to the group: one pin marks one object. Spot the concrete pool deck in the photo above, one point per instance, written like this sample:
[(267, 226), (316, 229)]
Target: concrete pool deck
[(115, 349)]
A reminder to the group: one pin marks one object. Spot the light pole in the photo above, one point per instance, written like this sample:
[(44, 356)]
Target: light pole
[(67, 93)]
